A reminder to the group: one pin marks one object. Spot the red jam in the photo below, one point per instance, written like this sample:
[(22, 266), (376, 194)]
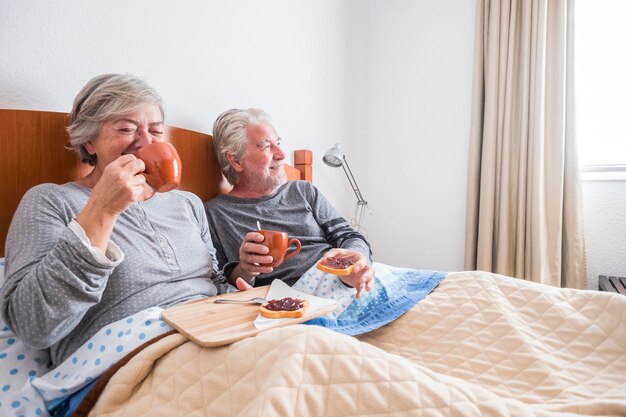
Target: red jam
[(336, 262), (285, 304)]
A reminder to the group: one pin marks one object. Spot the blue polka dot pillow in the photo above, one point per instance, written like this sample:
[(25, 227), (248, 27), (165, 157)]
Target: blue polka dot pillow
[(18, 363), (29, 387)]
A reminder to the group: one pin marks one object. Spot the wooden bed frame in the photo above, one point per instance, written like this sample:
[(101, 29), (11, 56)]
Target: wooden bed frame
[(33, 151)]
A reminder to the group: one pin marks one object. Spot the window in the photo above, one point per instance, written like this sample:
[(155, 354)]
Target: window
[(600, 59)]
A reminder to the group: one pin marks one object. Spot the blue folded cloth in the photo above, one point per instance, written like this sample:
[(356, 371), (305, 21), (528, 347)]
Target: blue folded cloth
[(395, 291)]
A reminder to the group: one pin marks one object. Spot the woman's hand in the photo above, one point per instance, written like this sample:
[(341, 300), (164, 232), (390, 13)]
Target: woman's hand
[(120, 184), (362, 276)]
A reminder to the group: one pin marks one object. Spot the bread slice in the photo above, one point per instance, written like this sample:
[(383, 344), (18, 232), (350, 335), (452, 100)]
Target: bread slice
[(284, 308), (335, 265)]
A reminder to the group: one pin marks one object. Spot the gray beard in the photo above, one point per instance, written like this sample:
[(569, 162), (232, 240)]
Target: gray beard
[(269, 183)]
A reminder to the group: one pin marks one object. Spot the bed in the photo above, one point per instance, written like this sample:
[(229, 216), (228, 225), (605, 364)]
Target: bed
[(475, 343)]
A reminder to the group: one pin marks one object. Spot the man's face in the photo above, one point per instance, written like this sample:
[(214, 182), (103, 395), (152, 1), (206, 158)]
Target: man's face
[(262, 164)]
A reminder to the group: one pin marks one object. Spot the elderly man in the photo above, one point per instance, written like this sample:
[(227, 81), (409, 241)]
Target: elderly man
[(249, 152)]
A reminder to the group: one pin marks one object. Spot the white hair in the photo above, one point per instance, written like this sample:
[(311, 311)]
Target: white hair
[(230, 136), (103, 98)]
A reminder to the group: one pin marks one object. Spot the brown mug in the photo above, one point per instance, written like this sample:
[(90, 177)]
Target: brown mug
[(163, 167), (278, 243)]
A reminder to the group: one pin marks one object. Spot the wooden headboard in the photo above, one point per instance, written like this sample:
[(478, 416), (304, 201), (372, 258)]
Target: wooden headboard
[(34, 152)]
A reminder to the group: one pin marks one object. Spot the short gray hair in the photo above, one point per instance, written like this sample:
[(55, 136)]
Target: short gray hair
[(103, 98), (230, 136)]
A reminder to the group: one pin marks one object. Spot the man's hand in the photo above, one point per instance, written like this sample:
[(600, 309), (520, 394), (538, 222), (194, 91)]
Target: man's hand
[(252, 254), (362, 276), (242, 285)]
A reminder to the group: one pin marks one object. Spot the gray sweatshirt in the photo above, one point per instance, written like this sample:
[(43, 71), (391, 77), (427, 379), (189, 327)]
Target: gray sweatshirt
[(297, 208), (58, 294)]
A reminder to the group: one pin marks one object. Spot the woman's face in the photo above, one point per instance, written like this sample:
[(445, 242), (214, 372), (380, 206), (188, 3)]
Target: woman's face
[(127, 134)]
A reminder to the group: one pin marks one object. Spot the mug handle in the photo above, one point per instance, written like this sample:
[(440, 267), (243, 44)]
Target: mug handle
[(295, 251)]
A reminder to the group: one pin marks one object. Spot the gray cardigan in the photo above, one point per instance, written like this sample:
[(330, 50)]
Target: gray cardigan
[(57, 294)]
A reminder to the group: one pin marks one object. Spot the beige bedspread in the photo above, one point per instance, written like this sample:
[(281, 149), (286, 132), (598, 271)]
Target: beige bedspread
[(479, 345)]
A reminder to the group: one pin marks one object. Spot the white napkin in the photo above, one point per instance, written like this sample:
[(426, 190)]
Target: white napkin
[(279, 289)]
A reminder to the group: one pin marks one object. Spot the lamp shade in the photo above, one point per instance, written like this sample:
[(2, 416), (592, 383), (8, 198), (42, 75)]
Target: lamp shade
[(334, 156)]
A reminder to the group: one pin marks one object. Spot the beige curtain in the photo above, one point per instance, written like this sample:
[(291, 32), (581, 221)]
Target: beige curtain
[(524, 207)]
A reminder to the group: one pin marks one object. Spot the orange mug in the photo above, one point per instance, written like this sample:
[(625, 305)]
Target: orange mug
[(278, 243), (163, 167)]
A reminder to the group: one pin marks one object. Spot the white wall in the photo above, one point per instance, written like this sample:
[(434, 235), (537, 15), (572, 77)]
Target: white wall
[(419, 94), (605, 229)]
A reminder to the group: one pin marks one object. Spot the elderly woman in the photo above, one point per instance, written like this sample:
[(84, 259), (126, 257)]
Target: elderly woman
[(87, 253)]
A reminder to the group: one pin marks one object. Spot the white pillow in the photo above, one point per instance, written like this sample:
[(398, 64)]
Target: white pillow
[(18, 363)]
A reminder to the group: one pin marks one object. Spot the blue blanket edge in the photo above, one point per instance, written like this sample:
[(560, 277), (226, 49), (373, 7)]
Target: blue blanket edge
[(384, 315)]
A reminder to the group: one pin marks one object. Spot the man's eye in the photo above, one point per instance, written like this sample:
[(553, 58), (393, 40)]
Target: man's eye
[(156, 132), (127, 129)]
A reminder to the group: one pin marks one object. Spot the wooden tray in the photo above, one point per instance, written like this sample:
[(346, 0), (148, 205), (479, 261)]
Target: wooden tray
[(209, 324)]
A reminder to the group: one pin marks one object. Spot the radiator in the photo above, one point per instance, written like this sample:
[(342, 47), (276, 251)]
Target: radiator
[(612, 284)]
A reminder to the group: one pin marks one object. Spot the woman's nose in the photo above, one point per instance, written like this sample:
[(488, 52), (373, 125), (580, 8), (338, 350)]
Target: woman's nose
[(144, 136)]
